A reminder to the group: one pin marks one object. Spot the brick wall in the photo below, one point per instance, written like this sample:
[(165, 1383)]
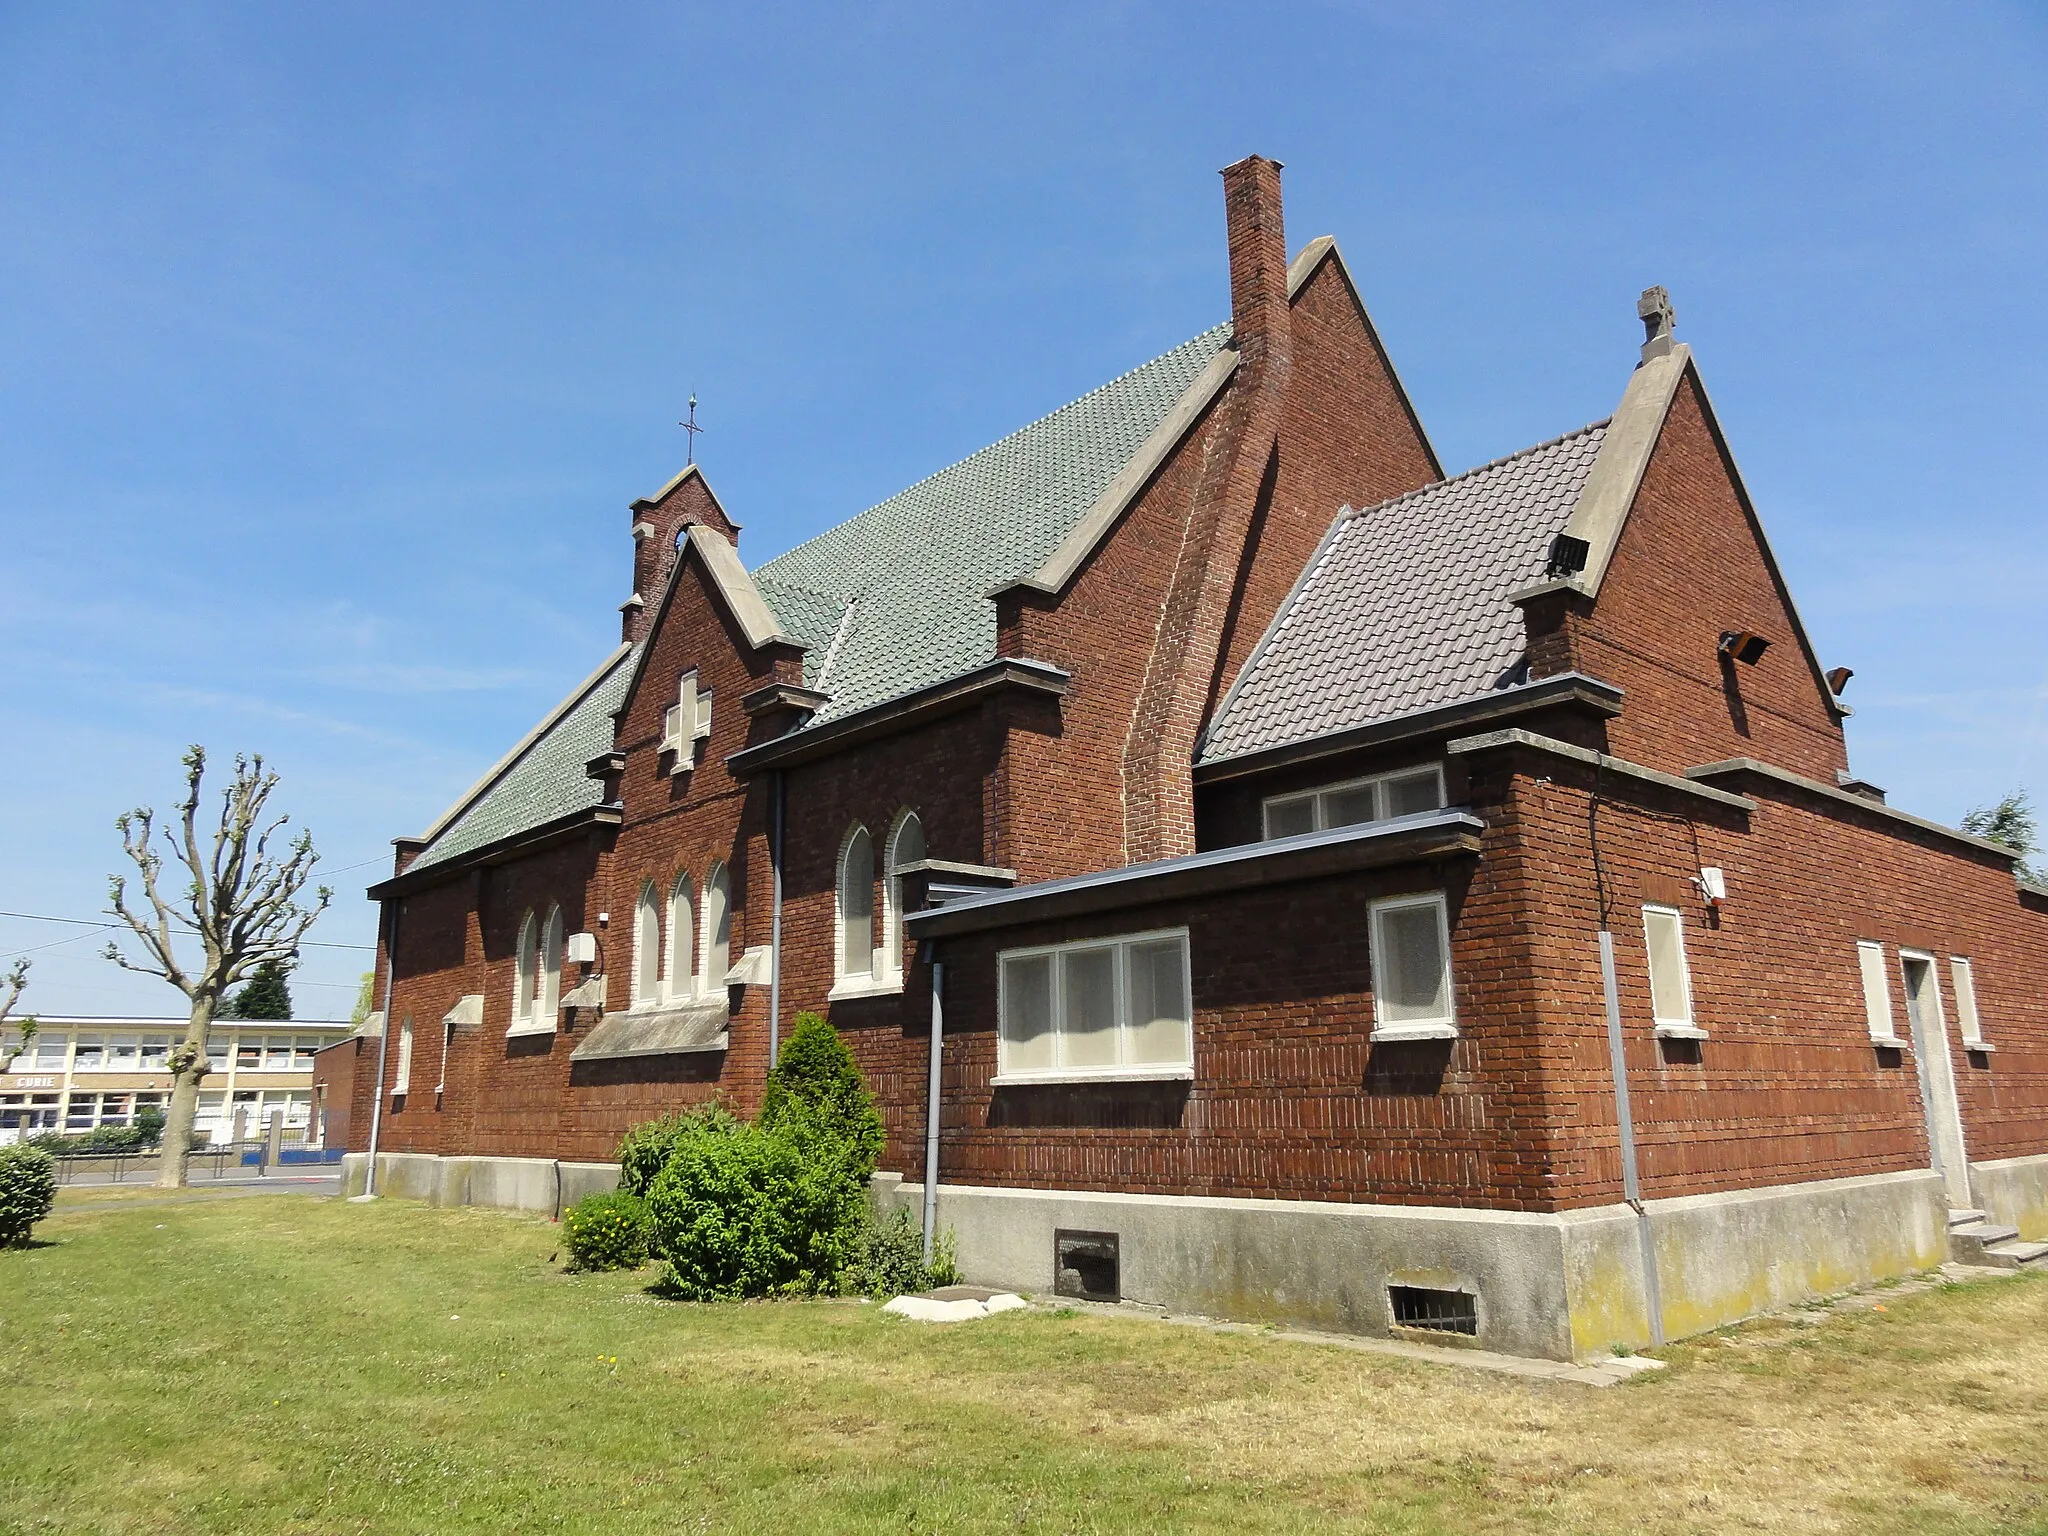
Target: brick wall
[(1689, 566)]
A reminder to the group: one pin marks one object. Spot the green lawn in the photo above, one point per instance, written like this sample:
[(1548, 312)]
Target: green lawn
[(297, 1365)]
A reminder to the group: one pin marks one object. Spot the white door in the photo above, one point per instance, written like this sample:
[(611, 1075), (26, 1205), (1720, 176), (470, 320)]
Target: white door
[(1937, 1074)]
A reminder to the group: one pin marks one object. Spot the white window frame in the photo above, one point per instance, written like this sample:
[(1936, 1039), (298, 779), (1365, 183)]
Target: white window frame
[(538, 980), (1962, 986), (716, 907), (1383, 1028), (1680, 1026), (1879, 1015), (680, 956), (891, 964), (879, 978), (1119, 1071), (525, 968), (1319, 798), (646, 974)]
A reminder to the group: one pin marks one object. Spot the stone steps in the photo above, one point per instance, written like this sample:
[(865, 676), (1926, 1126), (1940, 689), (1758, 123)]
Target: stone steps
[(1973, 1238)]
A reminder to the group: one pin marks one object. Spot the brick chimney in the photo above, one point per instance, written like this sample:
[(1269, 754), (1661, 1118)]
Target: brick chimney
[(1261, 322), (1239, 471)]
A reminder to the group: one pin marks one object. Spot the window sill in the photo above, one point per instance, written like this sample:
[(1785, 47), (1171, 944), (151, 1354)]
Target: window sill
[(516, 1030), (1108, 1075), (1386, 1034), (1890, 1043), (1978, 1047), (1679, 1032), (861, 986)]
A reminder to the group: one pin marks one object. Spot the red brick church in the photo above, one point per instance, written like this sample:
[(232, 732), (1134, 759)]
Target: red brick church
[(1257, 874)]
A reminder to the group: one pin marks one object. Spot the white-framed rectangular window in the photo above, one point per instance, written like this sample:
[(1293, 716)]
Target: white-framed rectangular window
[(124, 1053), (156, 1052), (50, 1051), (90, 1054), (1670, 976), (1411, 968), (1103, 1008), (1965, 981), (1877, 994), (1405, 792)]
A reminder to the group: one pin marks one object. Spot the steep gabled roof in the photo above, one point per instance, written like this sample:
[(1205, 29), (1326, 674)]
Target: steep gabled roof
[(917, 570), (543, 778), (889, 601), (1405, 606)]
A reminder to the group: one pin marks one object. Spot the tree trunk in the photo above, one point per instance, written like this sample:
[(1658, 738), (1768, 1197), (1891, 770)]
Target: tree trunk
[(188, 1066)]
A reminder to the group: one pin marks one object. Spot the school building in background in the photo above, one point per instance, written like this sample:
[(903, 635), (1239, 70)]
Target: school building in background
[(81, 1073)]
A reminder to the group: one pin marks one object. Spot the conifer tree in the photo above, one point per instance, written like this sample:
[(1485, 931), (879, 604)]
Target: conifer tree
[(265, 995)]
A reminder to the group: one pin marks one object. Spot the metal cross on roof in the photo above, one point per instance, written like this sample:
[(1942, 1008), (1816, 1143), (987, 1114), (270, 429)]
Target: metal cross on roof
[(691, 427)]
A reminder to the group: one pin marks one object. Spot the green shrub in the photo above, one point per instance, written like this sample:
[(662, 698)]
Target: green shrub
[(764, 1210), (608, 1231), (889, 1260), (149, 1123), (28, 1188), (815, 1084), (647, 1147)]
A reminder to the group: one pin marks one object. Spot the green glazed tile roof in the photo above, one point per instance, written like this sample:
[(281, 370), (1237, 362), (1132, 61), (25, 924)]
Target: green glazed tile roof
[(918, 567), (547, 779), (915, 572)]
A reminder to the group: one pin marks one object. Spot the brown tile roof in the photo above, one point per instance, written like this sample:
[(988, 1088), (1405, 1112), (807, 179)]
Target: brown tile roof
[(1405, 605)]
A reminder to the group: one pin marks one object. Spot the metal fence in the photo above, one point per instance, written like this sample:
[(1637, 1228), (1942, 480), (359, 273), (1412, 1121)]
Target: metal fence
[(213, 1161)]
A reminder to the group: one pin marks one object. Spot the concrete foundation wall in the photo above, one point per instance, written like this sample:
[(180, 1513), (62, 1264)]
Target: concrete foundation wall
[(1726, 1256), (508, 1183), (2014, 1190), (1562, 1286)]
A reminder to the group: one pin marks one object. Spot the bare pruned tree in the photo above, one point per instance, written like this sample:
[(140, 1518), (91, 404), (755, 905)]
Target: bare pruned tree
[(241, 903), (11, 983)]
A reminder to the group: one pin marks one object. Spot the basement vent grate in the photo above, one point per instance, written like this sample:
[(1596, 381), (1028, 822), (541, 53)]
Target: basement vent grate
[(1433, 1311), (1085, 1265)]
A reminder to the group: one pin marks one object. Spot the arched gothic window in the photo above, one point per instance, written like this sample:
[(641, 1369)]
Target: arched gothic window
[(548, 997), (906, 846), (526, 971), (647, 947), (682, 939), (717, 947), (857, 906)]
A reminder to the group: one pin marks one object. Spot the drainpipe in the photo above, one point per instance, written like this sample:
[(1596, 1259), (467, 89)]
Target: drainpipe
[(383, 1047), (931, 1110), (775, 925), (1631, 1183)]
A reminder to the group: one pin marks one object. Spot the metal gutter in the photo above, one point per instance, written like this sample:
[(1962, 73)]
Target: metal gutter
[(1405, 840), (1598, 698), (945, 697), (1735, 767)]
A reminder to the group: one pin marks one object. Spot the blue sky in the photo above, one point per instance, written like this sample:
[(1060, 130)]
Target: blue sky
[(335, 339)]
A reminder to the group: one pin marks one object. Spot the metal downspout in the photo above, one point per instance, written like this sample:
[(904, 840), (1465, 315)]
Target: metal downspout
[(383, 1049), (1631, 1183), (931, 1110), (775, 925)]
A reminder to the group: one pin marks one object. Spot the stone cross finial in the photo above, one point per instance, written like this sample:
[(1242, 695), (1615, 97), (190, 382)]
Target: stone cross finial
[(1655, 311)]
